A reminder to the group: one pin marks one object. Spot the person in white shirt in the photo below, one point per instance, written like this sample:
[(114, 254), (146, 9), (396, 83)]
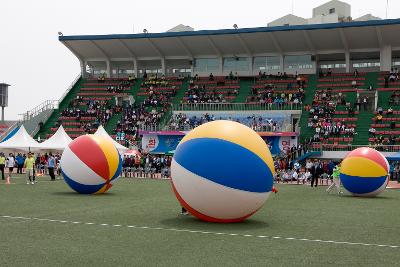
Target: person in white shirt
[(295, 176), (10, 163), (308, 175), (302, 178)]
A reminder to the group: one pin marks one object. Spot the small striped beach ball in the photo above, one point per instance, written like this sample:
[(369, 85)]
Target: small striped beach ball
[(364, 172), (222, 171), (90, 164)]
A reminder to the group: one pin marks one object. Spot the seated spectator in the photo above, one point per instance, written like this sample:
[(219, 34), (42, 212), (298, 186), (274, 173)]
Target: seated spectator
[(389, 112), (231, 76), (211, 77), (379, 118), (372, 131)]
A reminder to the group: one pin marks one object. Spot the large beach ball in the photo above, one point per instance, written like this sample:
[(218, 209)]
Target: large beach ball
[(222, 171), (90, 164), (364, 172)]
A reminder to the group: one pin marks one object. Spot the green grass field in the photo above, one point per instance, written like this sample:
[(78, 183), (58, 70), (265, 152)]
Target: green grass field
[(138, 224)]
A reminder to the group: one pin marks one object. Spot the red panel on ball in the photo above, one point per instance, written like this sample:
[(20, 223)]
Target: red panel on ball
[(91, 154), (371, 154)]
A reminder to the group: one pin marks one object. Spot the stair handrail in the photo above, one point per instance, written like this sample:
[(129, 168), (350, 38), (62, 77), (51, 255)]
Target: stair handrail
[(48, 104), (78, 76)]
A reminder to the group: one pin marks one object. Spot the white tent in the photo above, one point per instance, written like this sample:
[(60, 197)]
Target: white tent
[(102, 132), (21, 140), (58, 141)]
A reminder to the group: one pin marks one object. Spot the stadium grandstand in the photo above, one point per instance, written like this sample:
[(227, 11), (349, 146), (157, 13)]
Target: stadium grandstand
[(328, 83), (96, 177)]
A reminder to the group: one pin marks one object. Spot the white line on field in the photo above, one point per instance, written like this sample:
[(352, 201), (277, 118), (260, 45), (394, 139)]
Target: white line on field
[(202, 232)]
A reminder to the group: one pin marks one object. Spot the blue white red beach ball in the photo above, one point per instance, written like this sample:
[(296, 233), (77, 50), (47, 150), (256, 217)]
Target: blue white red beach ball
[(90, 164), (222, 171), (364, 172)]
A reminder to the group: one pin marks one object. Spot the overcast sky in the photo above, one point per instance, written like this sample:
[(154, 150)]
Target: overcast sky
[(40, 68)]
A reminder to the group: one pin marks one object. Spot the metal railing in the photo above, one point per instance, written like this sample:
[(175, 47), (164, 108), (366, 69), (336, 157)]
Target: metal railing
[(236, 106), (150, 128), (286, 127), (69, 88), (349, 147), (46, 105)]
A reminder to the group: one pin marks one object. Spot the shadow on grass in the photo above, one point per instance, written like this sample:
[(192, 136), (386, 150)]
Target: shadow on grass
[(74, 194), (194, 223), (366, 197)]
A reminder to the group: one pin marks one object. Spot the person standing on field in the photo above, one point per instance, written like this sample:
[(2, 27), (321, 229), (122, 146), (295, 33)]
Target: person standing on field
[(10, 164), (335, 180), (29, 166), (51, 164), (2, 164)]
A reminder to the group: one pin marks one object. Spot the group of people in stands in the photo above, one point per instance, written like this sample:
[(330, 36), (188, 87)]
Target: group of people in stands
[(378, 140), (328, 73), (272, 95), (392, 76), (199, 92), (103, 77), (197, 95), (135, 117), (101, 111), (118, 88), (182, 122), (275, 98), (321, 115)]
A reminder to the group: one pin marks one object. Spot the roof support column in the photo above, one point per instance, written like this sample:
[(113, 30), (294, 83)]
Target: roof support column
[(163, 66), (108, 70), (251, 65), (135, 67), (347, 60), (83, 67), (281, 63), (386, 58), (221, 66), (192, 67)]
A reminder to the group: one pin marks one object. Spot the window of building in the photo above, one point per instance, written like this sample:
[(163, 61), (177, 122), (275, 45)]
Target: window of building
[(273, 63), (333, 66), (298, 62), (236, 64), (267, 64), (396, 62), (332, 10), (260, 63), (366, 64), (206, 64)]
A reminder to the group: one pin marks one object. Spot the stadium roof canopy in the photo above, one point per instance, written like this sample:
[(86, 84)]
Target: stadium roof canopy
[(313, 39)]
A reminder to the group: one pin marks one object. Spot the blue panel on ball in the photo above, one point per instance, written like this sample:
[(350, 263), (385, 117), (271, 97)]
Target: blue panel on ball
[(361, 185), (225, 163), (119, 169), (81, 188)]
